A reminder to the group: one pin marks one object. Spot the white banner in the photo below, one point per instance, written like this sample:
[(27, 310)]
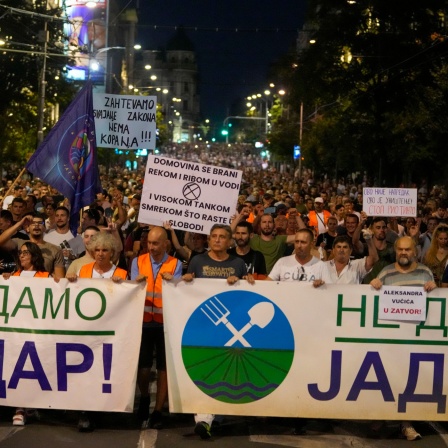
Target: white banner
[(125, 121), (390, 201), (192, 196), (288, 349), (69, 345)]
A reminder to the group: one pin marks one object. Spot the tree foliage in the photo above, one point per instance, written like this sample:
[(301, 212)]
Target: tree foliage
[(374, 88), (21, 69)]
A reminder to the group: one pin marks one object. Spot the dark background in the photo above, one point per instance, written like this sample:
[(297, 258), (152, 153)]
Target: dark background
[(232, 64)]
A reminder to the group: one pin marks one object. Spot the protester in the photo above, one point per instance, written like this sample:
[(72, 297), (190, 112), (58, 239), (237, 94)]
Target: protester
[(30, 264), (216, 263), (152, 267), (406, 271)]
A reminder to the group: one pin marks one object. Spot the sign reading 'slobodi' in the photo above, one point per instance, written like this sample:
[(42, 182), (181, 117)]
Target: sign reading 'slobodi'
[(192, 196)]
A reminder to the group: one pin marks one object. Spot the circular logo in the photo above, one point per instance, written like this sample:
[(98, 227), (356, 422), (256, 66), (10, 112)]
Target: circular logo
[(237, 347), (191, 191)]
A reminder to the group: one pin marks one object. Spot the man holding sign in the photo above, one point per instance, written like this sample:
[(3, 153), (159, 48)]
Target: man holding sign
[(406, 271)]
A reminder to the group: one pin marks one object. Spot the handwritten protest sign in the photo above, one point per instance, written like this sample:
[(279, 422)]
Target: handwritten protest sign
[(390, 201), (402, 303), (125, 121), (69, 345), (246, 350), (192, 196)]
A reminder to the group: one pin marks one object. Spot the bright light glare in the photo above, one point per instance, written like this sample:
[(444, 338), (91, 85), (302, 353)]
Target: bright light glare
[(94, 66)]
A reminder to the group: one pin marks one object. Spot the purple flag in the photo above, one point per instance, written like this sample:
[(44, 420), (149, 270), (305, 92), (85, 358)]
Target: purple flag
[(67, 158)]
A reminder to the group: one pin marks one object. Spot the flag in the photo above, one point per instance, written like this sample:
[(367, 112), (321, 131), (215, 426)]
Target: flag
[(67, 158)]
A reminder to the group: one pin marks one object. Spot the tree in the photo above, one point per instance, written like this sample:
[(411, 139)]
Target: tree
[(20, 72), (373, 87)]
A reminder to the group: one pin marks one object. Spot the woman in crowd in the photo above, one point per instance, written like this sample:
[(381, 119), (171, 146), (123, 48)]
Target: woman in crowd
[(437, 255), (104, 249), (30, 264), (103, 246)]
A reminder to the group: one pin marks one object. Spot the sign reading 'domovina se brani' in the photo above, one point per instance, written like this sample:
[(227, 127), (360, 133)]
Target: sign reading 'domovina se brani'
[(192, 196), (125, 121), (390, 201)]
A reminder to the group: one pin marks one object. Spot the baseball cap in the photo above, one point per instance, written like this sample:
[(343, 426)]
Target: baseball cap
[(319, 200)]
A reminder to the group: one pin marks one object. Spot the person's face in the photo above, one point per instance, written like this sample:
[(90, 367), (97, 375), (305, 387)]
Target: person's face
[(309, 204), (24, 257), (324, 196), (198, 242), (410, 223), (49, 211), (281, 222), (348, 207), (219, 240), (87, 221), (249, 206), (302, 245), (442, 239), (431, 225), (332, 224), (87, 236), (4, 224), (318, 206), (157, 245), (379, 230), (241, 236), (17, 208), (102, 254), (342, 252), (351, 224), (267, 225), (340, 212), (18, 193), (61, 218), (36, 228), (405, 252)]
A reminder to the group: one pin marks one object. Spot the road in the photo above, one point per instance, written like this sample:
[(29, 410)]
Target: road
[(58, 429)]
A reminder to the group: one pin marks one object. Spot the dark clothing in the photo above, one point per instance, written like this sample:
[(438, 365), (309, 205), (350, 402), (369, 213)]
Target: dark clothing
[(152, 338), (328, 239), (386, 257), (203, 266), (254, 261)]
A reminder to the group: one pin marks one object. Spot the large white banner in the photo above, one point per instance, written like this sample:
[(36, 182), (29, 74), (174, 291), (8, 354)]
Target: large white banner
[(192, 196), (69, 345), (125, 121), (287, 349)]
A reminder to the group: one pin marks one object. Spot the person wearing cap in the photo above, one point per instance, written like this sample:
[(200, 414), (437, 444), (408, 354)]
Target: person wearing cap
[(318, 217), (102, 199)]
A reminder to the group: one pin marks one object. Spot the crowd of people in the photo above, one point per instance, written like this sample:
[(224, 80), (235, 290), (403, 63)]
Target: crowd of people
[(287, 226)]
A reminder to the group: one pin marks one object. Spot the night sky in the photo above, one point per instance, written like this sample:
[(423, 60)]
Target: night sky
[(232, 65)]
